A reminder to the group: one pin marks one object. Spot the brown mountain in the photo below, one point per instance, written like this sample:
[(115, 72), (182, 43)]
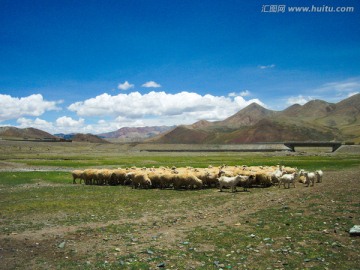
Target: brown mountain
[(188, 135), (25, 133), (268, 130), (212, 132), (316, 120), (130, 134), (248, 116), (79, 137)]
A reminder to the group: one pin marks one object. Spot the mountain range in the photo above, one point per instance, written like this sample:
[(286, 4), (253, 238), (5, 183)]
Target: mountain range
[(134, 134), (316, 120)]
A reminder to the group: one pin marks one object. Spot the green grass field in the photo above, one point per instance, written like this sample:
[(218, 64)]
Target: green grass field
[(46, 222)]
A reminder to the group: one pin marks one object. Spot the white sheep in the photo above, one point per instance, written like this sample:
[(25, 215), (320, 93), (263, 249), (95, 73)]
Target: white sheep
[(288, 179), (232, 182), (319, 176), (275, 176), (310, 177)]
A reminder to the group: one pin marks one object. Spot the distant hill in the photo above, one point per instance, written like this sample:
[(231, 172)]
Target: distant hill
[(79, 137), (24, 133), (316, 120), (65, 136), (132, 134), (37, 134)]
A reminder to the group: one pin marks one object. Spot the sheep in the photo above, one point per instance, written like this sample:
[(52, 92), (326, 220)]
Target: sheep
[(288, 179), (118, 177), (161, 178), (275, 176), (207, 177), (167, 180), (289, 170), (77, 174), (210, 180), (103, 176), (232, 182), (185, 177), (319, 176), (310, 177), (302, 178), (89, 176), (140, 180), (186, 180), (246, 181), (263, 179)]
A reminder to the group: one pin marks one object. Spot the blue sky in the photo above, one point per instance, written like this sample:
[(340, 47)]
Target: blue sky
[(95, 66)]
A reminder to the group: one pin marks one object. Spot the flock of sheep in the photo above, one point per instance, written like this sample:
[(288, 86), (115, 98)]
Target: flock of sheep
[(197, 178)]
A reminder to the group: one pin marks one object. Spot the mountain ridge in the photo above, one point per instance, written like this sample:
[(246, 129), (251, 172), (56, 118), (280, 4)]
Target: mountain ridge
[(317, 120)]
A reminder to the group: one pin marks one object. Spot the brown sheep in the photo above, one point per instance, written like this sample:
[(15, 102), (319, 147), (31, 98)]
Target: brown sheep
[(77, 174), (89, 176), (140, 180), (187, 181)]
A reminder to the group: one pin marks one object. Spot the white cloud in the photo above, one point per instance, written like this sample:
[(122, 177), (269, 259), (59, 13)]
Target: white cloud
[(160, 107), (68, 122), (352, 94), (300, 99), (125, 86), (340, 89), (244, 93), (33, 105), (37, 123), (151, 84), (106, 112), (267, 66), (62, 124), (342, 86)]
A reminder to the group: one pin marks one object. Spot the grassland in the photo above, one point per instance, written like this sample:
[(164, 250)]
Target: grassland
[(46, 222)]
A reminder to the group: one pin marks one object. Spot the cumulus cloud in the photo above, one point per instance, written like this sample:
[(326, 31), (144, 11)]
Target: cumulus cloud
[(62, 124), (35, 123), (161, 107), (151, 84), (33, 105), (68, 122), (300, 99), (125, 86)]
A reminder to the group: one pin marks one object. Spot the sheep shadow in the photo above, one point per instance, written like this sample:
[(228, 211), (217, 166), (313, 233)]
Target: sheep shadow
[(235, 192)]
